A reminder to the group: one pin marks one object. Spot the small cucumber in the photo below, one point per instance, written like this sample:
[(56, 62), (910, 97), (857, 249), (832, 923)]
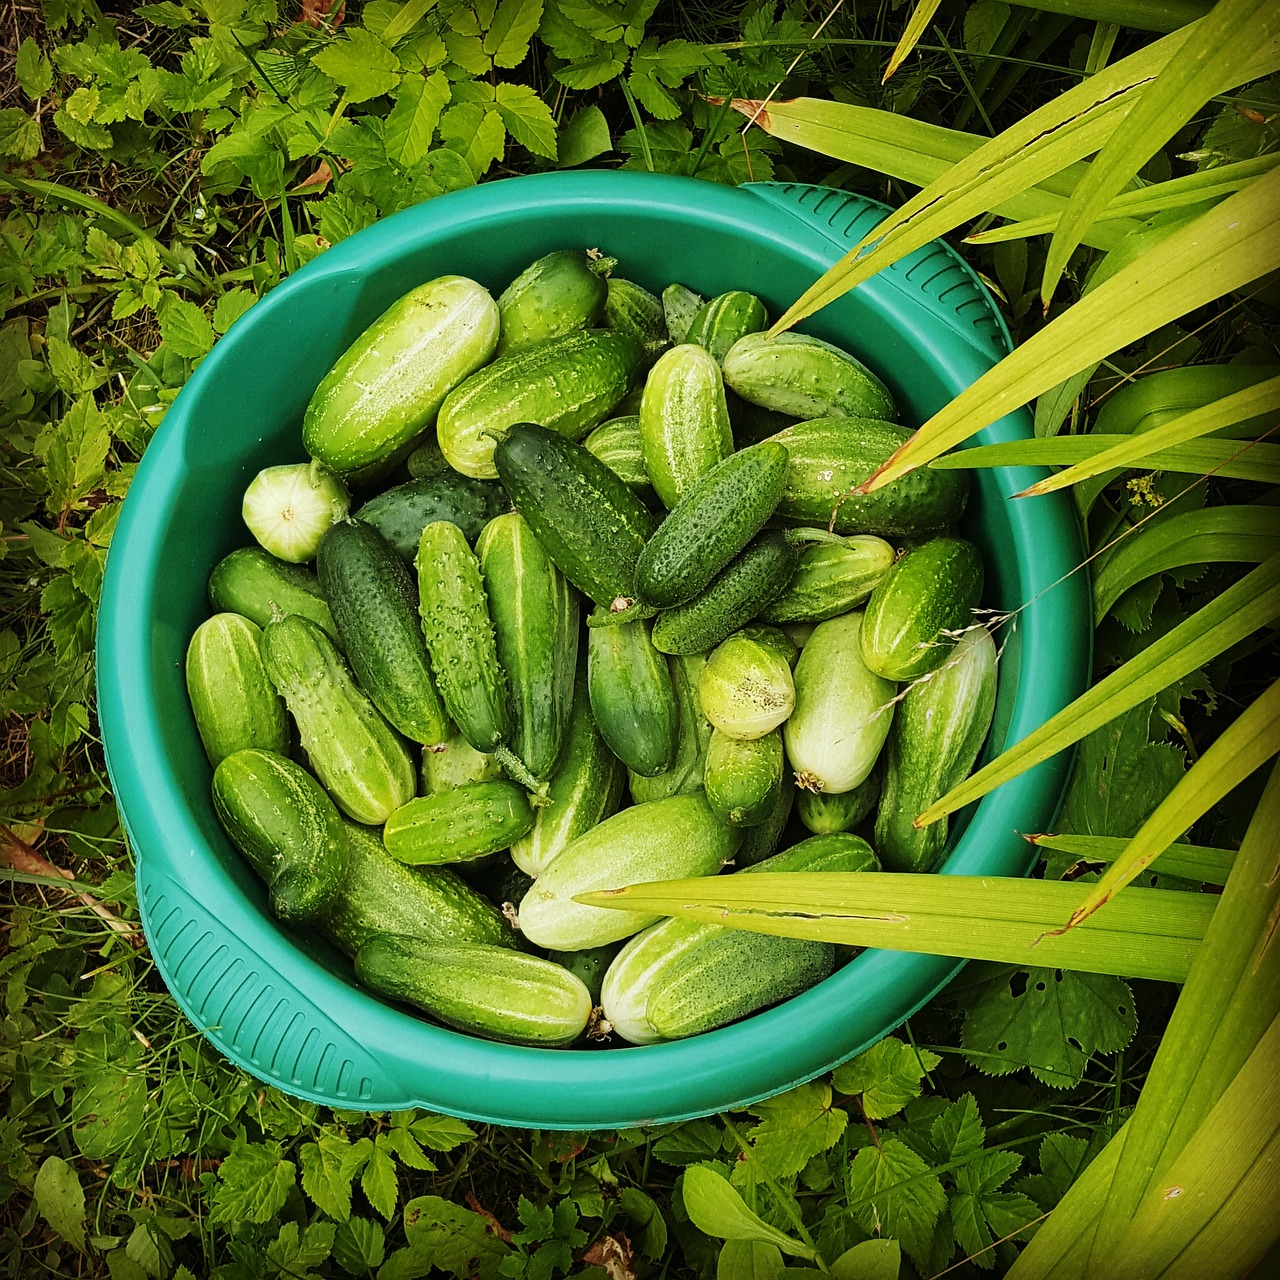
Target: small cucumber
[(937, 733), (289, 508), (920, 606), (501, 881), (633, 310), (743, 779), (718, 324), (832, 579), (489, 991), (617, 444), (679, 306), (717, 517), (426, 461), (401, 514), (455, 762), (760, 841), (775, 638), (693, 736), (459, 825), (278, 816), (806, 377), (834, 851), (632, 699), (252, 582), (825, 812), (842, 713), (746, 688), (558, 294), (589, 965), (684, 421), (234, 702)]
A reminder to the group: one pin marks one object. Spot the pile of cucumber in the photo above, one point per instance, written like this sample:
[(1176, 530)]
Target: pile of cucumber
[(603, 609)]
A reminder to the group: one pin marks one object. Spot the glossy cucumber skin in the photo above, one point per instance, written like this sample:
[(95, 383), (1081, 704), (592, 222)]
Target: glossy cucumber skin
[(455, 762), (459, 825), (718, 324), (592, 526), (760, 842), (834, 851), (535, 622), (938, 731), (233, 700), (288, 830), (663, 840), (375, 606), (632, 699), (633, 310), (362, 761), (843, 710), (387, 386), (489, 991), (381, 895), (740, 592), (718, 516), (617, 444), (932, 590), (743, 779), (586, 788), (555, 295), (827, 812), (831, 580), (692, 737), (806, 377), (425, 461), (589, 965), (829, 457), (775, 638), (459, 634), (400, 514), (679, 306), (746, 688), (684, 421), (568, 385), (252, 582)]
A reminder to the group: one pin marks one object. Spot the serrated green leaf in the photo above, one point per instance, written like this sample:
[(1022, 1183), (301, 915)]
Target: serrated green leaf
[(359, 1245), (184, 326), (253, 1183), (456, 1240), (715, 1207), (475, 132), (590, 73), (71, 616), (404, 1146), (794, 1127), (360, 63), (583, 138), (20, 135), (328, 1166), (958, 1131), (528, 119), (441, 1133), (690, 1142), (34, 70), (74, 453), (893, 1192), (406, 1264), (144, 1247), (380, 1183), (60, 1200), (1062, 1160), (981, 1213), (514, 23), (230, 307), (413, 120), (887, 1076)]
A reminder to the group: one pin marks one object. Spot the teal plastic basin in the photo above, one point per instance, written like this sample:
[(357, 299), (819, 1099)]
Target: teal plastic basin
[(283, 1005)]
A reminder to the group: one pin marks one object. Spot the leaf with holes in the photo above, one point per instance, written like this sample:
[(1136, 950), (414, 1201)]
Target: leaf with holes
[(456, 1240), (887, 1076)]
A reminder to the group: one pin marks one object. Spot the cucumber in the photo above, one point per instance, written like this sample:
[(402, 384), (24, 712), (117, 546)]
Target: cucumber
[(775, 638), (834, 851), (388, 385), (632, 698), (760, 841), (489, 991), (679, 306), (502, 882), (718, 516), (535, 621), (806, 377), (427, 460), (375, 605), (684, 421), (829, 457), (234, 702), (360, 759), (289, 508), (591, 525), (617, 444), (454, 763), (751, 423), (589, 965), (738, 594), (832, 579), (288, 830), (798, 633), (938, 730), (718, 324), (568, 385), (842, 713), (743, 779), (920, 606), (459, 825), (825, 812), (401, 514), (380, 895), (585, 788), (252, 582), (558, 294), (746, 688), (692, 737), (662, 840), (633, 310)]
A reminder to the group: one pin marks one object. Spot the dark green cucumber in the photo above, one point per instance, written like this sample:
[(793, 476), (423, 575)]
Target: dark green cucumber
[(253, 583), (455, 762), (592, 526), (744, 778), (502, 882), (693, 735), (829, 457), (633, 310), (380, 895), (825, 812), (375, 605), (920, 606), (718, 516), (759, 842), (558, 294), (832, 579), (589, 965), (289, 831), (617, 444), (679, 306), (569, 385), (738, 594), (459, 825), (751, 422), (427, 460), (718, 324), (402, 513), (632, 699)]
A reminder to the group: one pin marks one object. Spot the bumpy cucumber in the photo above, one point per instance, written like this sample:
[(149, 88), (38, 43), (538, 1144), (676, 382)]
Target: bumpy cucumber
[(455, 762), (632, 699), (915, 612), (718, 324), (375, 605), (589, 965), (693, 736), (252, 582), (234, 702), (633, 310), (684, 421), (743, 779), (289, 831), (617, 444), (746, 688), (832, 579), (401, 514), (825, 812), (662, 840), (427, 460), (592, 526), (362, 761), (775, 638), (718, 516), (388, 385), (938, 730), (558, 294), (501, 881), (679, 306), (488, 991), (760, 841), (829, 457), (842, 713), (568, 385), (804, 376), (459, 825)]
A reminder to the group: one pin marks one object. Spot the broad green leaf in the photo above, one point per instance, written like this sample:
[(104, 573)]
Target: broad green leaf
[(893, 1192), (296, 1251), (230, 307), (476, 132), (34, 70), (958, 1131), (749, 1260), (980, 1212), (20, 135), (108, 1109), (455, 1239), (60, 1200), (184, 326), (886, 1076), (513, 26), (328, 1166), (360, 63), (1187, 861), (916, 26), (412, 122), (870, 1260), (528, 119), (254, 1181), (441, 1133), (359, 1245), (715, 1207), (583, 138), (794, 1127)]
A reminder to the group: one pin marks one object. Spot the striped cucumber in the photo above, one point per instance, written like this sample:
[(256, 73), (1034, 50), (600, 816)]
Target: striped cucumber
[(825, 812), (400, 514), (252, 582), (458, 825), (632, 699), (832, 579), (617, 444), (633, 310), (693, 735), (560, 293), (718, 324), (455, 762), (679, 306), (744, 778), (746, 687)]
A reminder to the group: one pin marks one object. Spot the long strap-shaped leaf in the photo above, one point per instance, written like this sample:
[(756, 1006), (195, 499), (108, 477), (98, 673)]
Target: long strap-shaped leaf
[(920, 18), (1147, 933), (1143, 15), (1241, 609), (1233, 244), (1189, 861)]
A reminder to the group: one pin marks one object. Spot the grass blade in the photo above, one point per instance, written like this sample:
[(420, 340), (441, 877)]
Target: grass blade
[(1189, 861), (1144, 15), (921, 16)]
